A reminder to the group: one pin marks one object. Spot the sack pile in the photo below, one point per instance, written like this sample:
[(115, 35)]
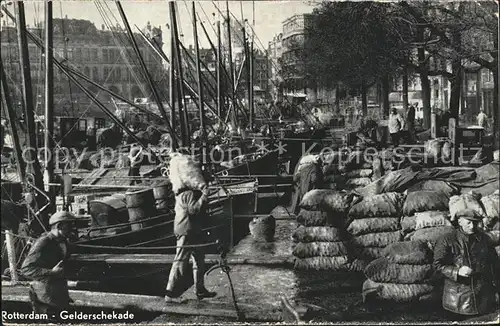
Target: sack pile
[(374, 224), (319, 240), (403, 274), (491, 209), (356, 170), (185, 173), (426, 215), (320, 248)]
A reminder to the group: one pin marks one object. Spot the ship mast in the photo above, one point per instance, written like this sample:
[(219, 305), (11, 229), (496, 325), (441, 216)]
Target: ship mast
[(200, 88), (49, 102), (33, 174)]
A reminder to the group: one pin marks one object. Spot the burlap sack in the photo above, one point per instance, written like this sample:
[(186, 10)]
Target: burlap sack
[(422, 201), (358, 182), (338, 263), (369, 253), (338, 202), (316, 233), (383, 271), (359, 265), (312, 218), (491, 208), (379, 239), (397, 292), (372, 225), (434, 185), (384, 205), (430, 235), (360, 173), (326, 199), (320, 249), (408, 252), (465, 201), (423, 220), (185, 173)]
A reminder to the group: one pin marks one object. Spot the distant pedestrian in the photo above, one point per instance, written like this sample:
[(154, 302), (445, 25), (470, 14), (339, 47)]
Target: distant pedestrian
[(136, 158), (482, 119), (410, 120), (396, 125)]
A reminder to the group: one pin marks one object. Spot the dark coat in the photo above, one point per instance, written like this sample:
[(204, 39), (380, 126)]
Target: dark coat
[(45, 253), (467, 295)]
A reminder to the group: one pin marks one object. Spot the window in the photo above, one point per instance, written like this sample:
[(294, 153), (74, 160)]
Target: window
[(78, 54), (118, 74), (95, 55), (82, 125), (99, 123), (86, 54), (104, 55), (95, 73)]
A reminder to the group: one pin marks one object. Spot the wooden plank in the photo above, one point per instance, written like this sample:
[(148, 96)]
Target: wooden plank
[(133, 302), (166, 259)]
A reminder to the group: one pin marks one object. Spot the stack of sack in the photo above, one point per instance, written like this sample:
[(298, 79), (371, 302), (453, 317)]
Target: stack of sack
[(425, 216), (374, 223), (356, 170), (321, 251), (319, 244), (404, 274)]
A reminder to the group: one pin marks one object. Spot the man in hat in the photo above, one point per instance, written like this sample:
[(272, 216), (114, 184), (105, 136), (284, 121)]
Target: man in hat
[(45, 266), (469, 263)]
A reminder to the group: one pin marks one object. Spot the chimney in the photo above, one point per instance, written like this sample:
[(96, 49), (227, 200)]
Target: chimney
[(102, 27)]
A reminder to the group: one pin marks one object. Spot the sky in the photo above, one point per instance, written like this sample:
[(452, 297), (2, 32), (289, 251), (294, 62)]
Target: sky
[(269, 15)]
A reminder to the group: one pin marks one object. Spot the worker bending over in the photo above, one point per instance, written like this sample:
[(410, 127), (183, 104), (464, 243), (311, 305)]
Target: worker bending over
[(45, 266)]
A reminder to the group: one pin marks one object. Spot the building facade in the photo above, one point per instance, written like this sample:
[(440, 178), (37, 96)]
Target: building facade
[(103, 55)]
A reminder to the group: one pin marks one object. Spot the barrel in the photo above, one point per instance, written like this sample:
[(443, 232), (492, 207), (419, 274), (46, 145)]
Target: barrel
[(163, 197), (141, 205), (108, 210)]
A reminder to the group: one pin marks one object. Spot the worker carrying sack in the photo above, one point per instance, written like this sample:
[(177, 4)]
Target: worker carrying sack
[(185, 173)]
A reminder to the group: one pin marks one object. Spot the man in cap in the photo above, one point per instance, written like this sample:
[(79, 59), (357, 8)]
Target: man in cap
[(190, 206), (44, 265), (469, 263)]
